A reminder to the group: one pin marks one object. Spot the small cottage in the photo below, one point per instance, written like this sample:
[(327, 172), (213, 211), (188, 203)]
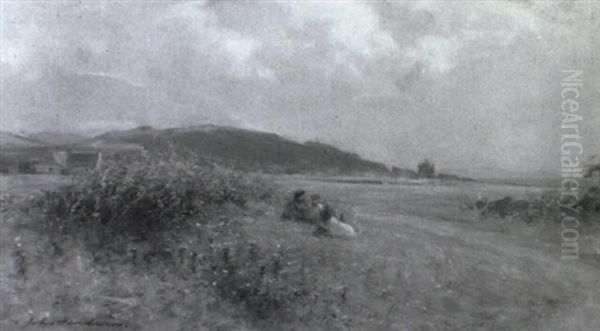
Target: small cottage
[(77, 160), (48, 168)]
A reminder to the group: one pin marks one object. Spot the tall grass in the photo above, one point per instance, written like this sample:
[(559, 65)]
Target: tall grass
[(146, 197)]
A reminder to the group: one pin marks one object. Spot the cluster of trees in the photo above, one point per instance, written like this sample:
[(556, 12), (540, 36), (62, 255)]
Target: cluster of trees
[(426, 169)]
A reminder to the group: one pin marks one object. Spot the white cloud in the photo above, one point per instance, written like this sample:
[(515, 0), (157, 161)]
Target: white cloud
[(241, 49), (118, 77), (218, 41), (354, 25), (439, 54), (19, 37), (461, 29)]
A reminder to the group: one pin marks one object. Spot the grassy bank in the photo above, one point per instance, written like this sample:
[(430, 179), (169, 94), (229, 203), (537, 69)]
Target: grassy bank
[(157, 244)]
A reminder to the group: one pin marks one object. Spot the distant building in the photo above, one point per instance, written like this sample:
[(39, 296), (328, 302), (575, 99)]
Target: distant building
[(76, 161), (49, 168), (9, 167), (27, 167)]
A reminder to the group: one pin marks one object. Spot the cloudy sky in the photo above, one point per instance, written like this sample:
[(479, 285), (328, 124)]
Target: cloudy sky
[(472, 85)]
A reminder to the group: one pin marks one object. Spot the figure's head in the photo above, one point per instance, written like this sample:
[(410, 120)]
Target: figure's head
[(326, 213), (298, 194)]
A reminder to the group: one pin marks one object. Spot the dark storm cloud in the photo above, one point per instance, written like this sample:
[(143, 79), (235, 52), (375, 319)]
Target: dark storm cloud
[(470, 85)]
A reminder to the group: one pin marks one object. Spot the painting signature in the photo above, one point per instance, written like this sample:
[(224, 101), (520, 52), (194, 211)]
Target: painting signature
[(92, 322)]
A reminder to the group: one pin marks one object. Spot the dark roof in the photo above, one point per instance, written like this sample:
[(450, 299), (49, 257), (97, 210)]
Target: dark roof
[(47, 164), (82, 159)]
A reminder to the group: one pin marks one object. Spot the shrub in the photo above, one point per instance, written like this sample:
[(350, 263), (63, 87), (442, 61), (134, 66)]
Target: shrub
[(145, 197), (590, 201)]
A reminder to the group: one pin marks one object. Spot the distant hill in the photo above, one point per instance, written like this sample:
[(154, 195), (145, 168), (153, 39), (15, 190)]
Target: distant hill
[(11, 141), (57, 138), (246, 149)]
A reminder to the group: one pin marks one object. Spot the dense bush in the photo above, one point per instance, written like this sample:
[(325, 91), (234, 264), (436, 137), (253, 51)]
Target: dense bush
[(590, 201), (549, 206), (146, 197), (426, 169)]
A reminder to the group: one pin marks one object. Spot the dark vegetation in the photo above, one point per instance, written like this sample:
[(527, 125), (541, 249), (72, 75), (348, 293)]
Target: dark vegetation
[(590, 201), (547, 207), (426, 169)]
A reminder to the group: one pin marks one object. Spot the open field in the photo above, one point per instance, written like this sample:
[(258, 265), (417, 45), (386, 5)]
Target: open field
[(28, 184), (420, 262), (446, 269)]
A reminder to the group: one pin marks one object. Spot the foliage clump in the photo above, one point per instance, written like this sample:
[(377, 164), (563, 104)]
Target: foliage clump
[(146, 197), (426, 169)]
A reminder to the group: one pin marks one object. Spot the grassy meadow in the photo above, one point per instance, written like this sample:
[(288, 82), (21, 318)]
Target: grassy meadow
[(218, 257)]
